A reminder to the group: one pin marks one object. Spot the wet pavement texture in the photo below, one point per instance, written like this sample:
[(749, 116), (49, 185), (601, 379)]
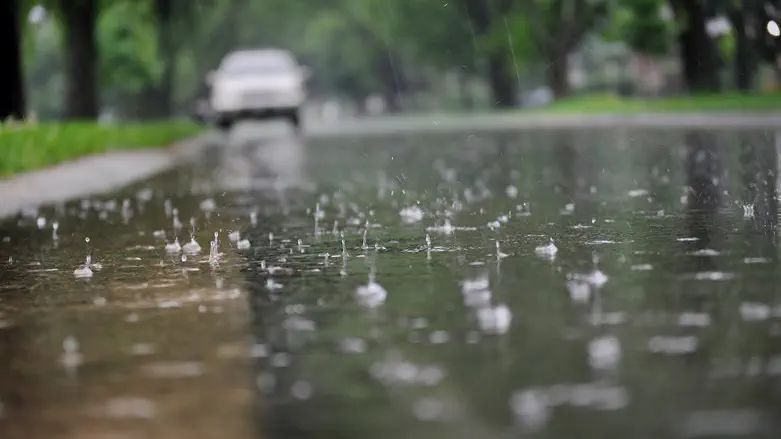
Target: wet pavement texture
[(595, 283)]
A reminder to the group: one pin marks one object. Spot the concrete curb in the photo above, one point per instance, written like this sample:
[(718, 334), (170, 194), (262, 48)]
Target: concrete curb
[(92, 175)]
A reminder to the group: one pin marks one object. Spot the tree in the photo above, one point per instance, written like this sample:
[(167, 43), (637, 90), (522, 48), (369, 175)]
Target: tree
[(164, 13), (767, 44), (80, 18), (699, 59), (12, 102), (483, 16), (741, 17), (130, 64), (558, 27), (640, 24)]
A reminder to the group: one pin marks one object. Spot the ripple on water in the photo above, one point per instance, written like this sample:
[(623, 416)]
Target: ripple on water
[(446, 258)]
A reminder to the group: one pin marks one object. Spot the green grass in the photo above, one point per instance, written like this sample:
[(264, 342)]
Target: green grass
[(728, 102), (25, 147)]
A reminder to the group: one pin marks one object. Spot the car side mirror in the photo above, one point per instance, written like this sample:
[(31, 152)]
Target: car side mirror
[(210, 77)]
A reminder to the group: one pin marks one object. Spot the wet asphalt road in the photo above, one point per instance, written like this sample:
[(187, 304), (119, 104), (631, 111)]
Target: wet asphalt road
[(404, 286)]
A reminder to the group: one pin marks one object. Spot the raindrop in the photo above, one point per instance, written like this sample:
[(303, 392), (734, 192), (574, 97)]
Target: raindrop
[(372, 294), (243, 244), (301, 390), (604, 352), (173, 247), (495, 320), (547, 251)]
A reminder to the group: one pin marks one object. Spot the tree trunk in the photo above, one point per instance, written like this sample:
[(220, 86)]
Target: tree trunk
[(744, 61), (165, 41), (392, 80), (698, 53), (81, 59), (464, 93), (558, 76), (503, 87), (12, 95)]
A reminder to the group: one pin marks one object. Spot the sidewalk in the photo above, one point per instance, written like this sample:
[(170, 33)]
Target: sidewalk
[(91, 175)]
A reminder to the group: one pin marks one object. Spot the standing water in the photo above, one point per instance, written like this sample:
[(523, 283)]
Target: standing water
[(635, 297)]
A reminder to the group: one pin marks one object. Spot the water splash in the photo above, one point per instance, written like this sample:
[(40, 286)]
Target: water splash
[(192, 247), (243, 244), (84, 271), (495, 320), (371, 295), (344, 245), (71, 357), (318, 215), (411, 214), (173, 247), (547, 251), (364, 246), (214, 250), (499, 253), (177, 224), (87, 269)]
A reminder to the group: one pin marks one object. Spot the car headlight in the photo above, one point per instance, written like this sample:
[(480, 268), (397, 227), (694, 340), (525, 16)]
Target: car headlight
[(224, 98)]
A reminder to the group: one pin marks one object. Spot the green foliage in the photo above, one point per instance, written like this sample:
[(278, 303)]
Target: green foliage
[(31, 146), (727, 45), (350, 43), (130, 60), (512, 34), (724, 102), (43, 62), (641, 26)]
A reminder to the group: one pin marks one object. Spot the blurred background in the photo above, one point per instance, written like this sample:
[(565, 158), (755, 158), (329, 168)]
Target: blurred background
[(142, 60)]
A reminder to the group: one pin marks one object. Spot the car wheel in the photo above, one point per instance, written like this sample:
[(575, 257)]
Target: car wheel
[(295, 120), (224, 124)]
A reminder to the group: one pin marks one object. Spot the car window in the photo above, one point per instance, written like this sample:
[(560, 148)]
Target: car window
[(257, 64)]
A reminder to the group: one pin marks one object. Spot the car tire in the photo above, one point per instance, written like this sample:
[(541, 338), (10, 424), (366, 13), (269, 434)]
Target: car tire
[(224, 124), (295, 119)]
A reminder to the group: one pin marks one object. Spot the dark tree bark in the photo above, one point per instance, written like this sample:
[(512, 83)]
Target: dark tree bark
[(557, 31), (393, 80), (465, 95), (12, 95), (164, 12), (482, 17), (745, 62), (81, 59), (699, 59), (558, 75), (503, 87)]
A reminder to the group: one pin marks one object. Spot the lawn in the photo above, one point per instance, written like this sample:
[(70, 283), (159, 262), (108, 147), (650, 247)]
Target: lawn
[(25, 147), (728, 102)]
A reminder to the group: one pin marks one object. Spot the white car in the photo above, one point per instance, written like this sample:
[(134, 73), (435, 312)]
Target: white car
[(257, 84)]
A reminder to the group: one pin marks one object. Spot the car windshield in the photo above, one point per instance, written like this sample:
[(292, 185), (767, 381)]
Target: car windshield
[(248, 65)]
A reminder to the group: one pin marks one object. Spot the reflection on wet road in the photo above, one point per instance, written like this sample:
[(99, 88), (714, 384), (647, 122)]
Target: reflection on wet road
[(602, 283)]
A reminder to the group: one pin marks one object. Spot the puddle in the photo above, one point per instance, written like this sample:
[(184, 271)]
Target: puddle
[(283, 289)]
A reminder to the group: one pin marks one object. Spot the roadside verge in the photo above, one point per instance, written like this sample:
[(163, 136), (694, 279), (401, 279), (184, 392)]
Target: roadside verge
[(92, 175)]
